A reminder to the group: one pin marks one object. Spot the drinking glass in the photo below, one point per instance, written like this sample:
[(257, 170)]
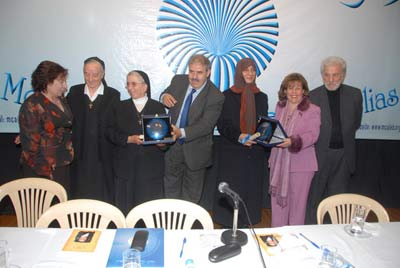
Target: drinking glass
[(328, 257), (358, 220), (3, 254), (131, 258)]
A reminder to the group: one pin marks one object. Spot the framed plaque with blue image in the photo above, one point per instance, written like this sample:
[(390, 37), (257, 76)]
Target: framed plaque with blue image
[(271, 132), (157, 129)]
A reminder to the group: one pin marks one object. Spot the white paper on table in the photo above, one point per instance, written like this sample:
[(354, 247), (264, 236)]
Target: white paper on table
[(295, 252)]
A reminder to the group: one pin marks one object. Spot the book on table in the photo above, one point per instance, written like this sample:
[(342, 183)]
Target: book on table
[(82, 240), (151, 257), (270, 243), (276, 243)]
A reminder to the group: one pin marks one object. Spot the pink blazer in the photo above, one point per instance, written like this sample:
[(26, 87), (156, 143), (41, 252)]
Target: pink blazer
[(304, 135)]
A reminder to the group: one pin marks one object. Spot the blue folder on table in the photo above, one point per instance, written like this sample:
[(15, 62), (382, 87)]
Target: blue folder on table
[(151, 257)]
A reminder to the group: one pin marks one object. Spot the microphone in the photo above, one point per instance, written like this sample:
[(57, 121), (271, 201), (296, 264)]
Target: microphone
[(233, 236), (224, 188)]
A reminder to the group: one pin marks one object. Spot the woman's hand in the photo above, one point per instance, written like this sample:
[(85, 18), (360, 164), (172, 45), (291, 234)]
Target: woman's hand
[(242, 140), (135, 139), (161, 145), (17, 140), (286, 143)]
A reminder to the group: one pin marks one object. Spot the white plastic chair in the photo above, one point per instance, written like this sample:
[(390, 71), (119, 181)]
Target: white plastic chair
[(341, 208), (31, 197), (171, 214), (83, 213)]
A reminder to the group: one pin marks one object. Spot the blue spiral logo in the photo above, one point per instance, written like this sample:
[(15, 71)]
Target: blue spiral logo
[(354, 5), (223, 31), (358, 3)]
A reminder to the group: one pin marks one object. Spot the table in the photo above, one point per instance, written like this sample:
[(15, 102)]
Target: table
[(41, 248), (380, 250)]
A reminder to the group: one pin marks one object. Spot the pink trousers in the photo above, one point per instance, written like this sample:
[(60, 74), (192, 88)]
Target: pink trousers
[(295, 210)]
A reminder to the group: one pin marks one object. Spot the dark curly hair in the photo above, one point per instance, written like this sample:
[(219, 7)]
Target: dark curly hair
[(290, 78), (45, 73)]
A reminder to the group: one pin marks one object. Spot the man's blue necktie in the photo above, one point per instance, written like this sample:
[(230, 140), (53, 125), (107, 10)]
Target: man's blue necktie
[(186, 108), (185, 113)]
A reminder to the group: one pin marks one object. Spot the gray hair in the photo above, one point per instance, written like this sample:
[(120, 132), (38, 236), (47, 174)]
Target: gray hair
[(200, 59), (333, 60)]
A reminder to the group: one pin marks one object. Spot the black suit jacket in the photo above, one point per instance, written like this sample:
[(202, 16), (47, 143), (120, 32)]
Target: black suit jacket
[(350, 116)]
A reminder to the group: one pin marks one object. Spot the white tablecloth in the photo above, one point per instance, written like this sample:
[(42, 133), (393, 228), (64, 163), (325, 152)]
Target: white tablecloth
[(42, 248), (382, 249)]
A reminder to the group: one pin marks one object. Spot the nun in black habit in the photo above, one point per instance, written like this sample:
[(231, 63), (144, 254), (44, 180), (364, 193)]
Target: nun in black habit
[(138, 168), (91, 171)]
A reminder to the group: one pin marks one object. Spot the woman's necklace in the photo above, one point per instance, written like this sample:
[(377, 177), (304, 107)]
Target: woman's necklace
[(139, 117), (91, 94), (139, 105)]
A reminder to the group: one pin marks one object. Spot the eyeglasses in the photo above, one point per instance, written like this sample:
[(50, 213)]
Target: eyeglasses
[(133, 83)]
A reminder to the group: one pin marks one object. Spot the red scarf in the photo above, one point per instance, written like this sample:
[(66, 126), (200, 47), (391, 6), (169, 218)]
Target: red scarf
[(248, 115)]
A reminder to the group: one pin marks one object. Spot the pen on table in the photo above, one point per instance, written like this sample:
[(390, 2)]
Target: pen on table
[(183, 246), (313, 243)]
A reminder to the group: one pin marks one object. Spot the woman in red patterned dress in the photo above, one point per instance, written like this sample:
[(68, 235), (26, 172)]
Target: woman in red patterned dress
[(45, 122)]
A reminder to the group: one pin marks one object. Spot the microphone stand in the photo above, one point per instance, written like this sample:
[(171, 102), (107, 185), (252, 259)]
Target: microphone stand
[(234, 236)]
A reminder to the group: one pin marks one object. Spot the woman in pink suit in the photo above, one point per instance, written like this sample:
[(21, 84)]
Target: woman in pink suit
[(293, 162)]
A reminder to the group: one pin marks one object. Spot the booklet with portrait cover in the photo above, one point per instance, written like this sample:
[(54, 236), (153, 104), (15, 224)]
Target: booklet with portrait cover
[(288, 243), (271, 131), (82, 240), (153, 254), (270, 243)]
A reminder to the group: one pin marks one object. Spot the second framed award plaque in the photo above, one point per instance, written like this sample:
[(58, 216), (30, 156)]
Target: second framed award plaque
[(271, 131)]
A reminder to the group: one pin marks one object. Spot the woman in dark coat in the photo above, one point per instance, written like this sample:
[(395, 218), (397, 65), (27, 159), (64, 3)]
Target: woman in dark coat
[(138, 168), (243, 164)]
